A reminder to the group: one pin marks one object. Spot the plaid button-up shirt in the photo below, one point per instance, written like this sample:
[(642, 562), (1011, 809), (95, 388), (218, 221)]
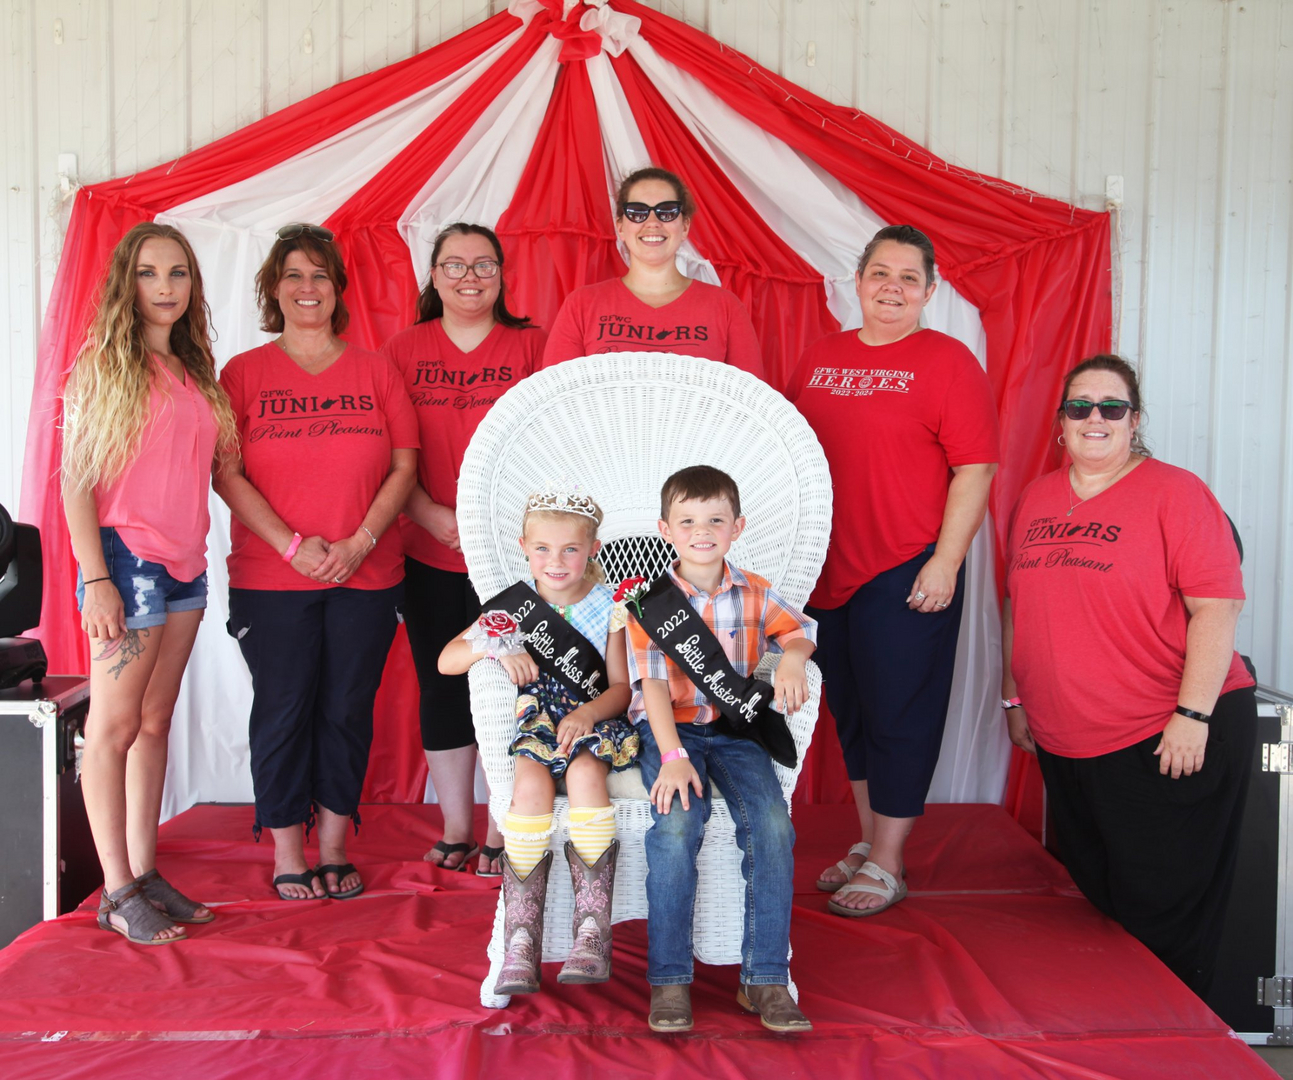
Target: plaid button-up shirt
[(748, 619)]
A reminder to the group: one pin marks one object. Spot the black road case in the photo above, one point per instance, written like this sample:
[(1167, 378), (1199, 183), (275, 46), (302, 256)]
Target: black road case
[(47, 859), (1253, 987)]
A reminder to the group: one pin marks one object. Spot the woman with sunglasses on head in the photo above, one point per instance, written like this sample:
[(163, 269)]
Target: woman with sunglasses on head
[(654, 307), (1123, 590), (143, 419), (463, 353), (906, 418), (329, 448)]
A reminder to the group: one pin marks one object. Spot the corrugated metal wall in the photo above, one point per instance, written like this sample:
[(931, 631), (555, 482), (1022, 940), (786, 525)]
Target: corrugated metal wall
[(1189, 101)]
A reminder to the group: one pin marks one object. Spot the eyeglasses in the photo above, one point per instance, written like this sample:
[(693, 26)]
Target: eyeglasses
[(1080, 410), (291, 232), (482, 268), (638, 212)]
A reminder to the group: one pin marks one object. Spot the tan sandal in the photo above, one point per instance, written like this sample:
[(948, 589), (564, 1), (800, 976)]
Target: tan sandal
[(862, 848), (884, 885)]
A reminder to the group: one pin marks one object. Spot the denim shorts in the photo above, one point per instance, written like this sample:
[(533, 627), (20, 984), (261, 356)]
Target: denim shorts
[(147, 590)]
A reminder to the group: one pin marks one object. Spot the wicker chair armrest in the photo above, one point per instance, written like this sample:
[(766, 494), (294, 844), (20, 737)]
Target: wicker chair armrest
[(493, 712), (801, 723)]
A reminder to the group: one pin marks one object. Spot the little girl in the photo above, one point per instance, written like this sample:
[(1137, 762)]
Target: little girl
[(573, 674)]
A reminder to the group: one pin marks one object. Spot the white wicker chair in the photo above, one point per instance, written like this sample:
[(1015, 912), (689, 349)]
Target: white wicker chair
[(617, 426)]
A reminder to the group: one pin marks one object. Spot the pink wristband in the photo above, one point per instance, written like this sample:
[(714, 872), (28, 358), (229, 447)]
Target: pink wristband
[(291, 548), (673, 755)]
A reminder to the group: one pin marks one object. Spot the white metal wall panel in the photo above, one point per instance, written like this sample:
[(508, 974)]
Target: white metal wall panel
[(1190, 101)]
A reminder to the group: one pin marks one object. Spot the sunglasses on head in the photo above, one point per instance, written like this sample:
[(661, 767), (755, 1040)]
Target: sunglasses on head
[(456, 268), (291, 232), (1077, 409), (638, 212)]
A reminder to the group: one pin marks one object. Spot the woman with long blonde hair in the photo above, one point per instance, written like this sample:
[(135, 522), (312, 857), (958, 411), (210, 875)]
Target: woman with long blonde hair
[(143, 419)]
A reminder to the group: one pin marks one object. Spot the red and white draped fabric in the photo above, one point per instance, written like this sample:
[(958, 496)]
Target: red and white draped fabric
[(525, 123)]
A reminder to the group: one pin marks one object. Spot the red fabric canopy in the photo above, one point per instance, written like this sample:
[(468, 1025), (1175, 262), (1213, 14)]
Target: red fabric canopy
[(1036, 269)]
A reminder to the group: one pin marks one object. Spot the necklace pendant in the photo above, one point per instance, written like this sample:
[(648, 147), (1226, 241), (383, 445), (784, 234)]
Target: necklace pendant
[(1070, 513)]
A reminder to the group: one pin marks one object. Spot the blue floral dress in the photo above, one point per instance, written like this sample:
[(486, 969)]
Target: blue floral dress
[(544, 703)]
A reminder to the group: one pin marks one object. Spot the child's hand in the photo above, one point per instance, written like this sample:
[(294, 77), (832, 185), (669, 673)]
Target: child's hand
[(575, 726), (521, 669), (675, 776), (790, 687)]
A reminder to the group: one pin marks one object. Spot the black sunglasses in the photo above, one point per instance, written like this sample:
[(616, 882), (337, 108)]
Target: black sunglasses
[(638, 212), (1078, 409), (291, 232)]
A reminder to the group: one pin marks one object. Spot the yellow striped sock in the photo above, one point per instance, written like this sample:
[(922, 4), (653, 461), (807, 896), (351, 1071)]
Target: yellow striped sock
[(525, 840), (592, 828)]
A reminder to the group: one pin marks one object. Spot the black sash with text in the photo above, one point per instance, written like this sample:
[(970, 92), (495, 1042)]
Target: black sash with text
[(744, 704), (557, 647)]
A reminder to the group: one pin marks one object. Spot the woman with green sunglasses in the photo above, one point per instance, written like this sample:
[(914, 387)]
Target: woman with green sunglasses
[(1120, 672)]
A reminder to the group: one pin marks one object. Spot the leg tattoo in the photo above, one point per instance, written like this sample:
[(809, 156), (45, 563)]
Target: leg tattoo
[(128, 647)]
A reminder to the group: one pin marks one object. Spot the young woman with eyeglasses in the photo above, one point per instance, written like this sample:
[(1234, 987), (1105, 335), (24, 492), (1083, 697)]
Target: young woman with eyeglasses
[(329, 449), (464, 352), (1123, 591), (654, 307)]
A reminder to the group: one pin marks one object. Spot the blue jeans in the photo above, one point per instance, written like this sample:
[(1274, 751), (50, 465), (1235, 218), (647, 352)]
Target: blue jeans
[(743, 772), (147, 589)]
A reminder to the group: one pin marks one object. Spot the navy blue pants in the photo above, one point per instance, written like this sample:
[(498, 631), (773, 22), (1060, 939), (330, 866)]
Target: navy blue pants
[(438, 605), (316, 660), (888, 675)]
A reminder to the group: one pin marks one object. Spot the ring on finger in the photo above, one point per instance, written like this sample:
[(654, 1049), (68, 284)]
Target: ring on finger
[(920, 596)]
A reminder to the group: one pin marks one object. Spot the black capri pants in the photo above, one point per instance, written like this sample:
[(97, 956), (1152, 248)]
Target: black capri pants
[(438, 605), (1157, 854), (316, 658), (888, 674)]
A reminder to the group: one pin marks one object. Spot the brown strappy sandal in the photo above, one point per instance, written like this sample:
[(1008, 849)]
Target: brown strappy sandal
[(169, 900), (142, 921)]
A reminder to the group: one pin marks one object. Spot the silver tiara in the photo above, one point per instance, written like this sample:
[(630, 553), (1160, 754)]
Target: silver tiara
[(562, 502)]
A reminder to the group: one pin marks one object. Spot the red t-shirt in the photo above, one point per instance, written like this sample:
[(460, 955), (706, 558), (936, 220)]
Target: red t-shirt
[(704, 321), (893, 420), (1096, 597), (451, 391), (318, 447)]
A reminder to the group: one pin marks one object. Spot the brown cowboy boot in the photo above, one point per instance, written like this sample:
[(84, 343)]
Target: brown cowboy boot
[(775, 1006), (523, 927), (590, 955)]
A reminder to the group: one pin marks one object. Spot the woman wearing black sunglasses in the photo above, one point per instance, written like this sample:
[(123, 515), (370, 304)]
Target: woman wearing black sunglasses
[(463, 353), (1123, 591), (654, 307), (329, 446)]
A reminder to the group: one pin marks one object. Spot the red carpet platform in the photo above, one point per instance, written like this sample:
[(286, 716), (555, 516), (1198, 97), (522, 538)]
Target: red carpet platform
[(993, 967)]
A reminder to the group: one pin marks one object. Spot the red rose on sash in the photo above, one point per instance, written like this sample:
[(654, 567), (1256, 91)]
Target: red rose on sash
[(498, 624)]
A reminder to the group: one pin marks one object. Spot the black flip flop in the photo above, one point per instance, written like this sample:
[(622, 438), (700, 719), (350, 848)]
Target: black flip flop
[(306, 879), (490, 853), (470, 850), (342, 870)]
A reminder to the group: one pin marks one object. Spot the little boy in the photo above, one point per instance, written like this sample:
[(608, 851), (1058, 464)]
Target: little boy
[(705, 720)]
